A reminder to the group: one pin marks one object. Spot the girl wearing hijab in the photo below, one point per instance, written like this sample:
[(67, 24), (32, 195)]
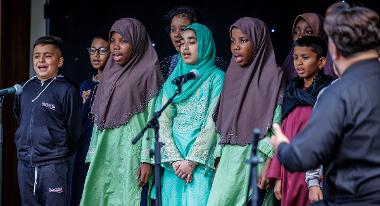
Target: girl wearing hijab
[(177, 19), (186, 127), (123, 104), (307, 24), (249, 100)]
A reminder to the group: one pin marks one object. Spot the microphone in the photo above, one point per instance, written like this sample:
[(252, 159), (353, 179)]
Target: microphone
[(16, 89), (193, 74)]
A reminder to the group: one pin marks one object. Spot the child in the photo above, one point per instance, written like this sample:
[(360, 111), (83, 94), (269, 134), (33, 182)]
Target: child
[(48, 111), (313, 178), (306, 24), (187, 129), (300, 96), (178, 19), (123, 104), (99, 53), (249, 98)]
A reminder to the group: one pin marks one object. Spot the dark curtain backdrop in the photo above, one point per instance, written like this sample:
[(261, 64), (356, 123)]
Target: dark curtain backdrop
[(77, 21)]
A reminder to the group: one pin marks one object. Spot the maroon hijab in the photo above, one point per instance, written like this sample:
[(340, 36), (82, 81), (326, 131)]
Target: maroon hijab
[(126, 90), (249, 94), (316, 23)]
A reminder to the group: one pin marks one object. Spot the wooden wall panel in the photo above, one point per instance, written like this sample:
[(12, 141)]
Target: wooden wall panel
[(14, 61)]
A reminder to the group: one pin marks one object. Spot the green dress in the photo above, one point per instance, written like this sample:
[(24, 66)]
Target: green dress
[(111, 178), (188, 132), (231, 182)]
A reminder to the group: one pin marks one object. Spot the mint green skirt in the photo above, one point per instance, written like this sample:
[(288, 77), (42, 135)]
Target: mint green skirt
[(231, 181)]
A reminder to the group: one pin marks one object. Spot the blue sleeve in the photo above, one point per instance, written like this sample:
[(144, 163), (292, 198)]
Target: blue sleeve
[(72, 117)]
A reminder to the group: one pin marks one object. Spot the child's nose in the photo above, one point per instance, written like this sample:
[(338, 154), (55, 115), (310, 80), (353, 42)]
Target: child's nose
[(177, 33), (300, 34), (185, 46), (236, 46), (116, 46)]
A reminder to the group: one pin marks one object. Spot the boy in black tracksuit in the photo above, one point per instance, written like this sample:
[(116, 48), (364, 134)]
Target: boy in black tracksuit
[(48, 111)]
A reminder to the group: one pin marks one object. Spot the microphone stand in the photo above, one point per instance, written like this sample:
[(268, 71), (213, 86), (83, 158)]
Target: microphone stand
[(1, 148), (254, 161), (154, 124)]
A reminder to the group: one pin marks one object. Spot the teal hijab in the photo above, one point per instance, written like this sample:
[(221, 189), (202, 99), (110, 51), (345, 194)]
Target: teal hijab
[(204, 65)]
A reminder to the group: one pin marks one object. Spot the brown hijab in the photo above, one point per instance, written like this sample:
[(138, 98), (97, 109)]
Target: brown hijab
[(316, 23), (126, 90), (249, 94)]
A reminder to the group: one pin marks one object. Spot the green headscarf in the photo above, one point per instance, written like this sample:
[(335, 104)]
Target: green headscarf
[(204, 64)]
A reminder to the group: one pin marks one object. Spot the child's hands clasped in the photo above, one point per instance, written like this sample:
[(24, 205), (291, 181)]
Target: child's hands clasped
[(184, 169)]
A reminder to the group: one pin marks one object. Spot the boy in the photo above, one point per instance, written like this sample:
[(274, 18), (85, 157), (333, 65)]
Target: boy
[(48, 112), (99, 51), (299, 98)]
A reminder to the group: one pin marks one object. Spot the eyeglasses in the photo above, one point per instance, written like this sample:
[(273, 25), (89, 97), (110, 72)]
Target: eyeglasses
[(101, 50)]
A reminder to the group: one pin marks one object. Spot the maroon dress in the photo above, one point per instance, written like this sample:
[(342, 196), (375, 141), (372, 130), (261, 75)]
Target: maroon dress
[(294, 188)]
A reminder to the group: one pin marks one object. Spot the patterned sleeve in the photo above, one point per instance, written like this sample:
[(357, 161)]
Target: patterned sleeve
[(148, 137), (165, 66), (221, 64), (93, 144), (218, 148), (169, 151), (264, 145), (202, 151)]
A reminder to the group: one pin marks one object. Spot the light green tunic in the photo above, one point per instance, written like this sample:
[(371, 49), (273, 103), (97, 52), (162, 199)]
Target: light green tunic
[(111, 178), (188, 132), (231, 182)]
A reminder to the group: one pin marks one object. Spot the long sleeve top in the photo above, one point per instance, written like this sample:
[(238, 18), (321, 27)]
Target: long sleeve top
[(49, 121), (187, 128)]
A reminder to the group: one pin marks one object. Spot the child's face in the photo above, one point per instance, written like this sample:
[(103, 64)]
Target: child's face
[(46, 61), (178, 24), (241, 47), (306, 62), (101, 49), (302, 29), (189, 47), (121, 50)]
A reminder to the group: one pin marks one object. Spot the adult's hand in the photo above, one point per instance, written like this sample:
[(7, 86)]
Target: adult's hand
[(278, 136)]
